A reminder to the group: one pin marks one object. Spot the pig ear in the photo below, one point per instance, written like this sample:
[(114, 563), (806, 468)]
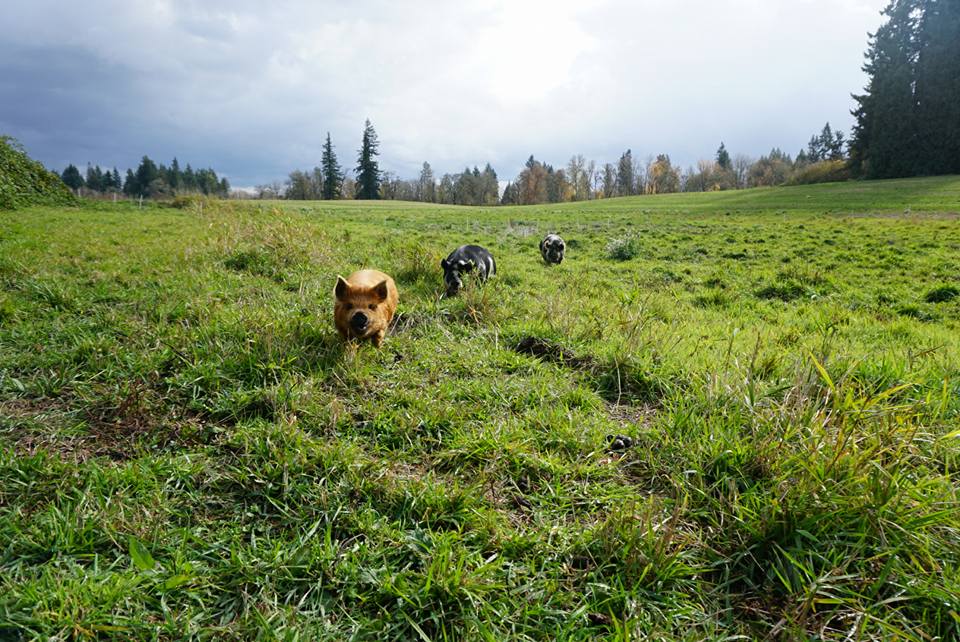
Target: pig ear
[(380, 290), (342, 288)]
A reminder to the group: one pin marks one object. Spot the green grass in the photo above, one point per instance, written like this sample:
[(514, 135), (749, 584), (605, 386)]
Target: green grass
[(188, 450)]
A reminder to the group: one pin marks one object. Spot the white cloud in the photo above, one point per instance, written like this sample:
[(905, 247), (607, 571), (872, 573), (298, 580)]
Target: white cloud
[(254, 88)]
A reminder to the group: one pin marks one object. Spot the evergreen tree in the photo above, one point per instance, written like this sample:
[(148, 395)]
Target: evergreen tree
[(723, 158), (938, 87), (147, 173), (511, 195), (72, 178), (332, 174), (835, 145), (489, 186), (368, 169), (466, 187), (189, 179), (107, 181), (130, 187), (815, 152), (426, 185), (174, 176), (885, 141), (92, 180), (626, 180)]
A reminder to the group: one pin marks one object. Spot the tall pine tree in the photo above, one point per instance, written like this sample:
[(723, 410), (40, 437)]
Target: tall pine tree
[(626, 180), (146, 174), (426, 185), (332, 174), (938, 87), (723, 158), (908, 118), (130, 187), (368, 170), (174, 175)]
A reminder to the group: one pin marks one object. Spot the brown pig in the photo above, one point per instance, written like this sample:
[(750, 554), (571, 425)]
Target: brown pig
[(364, 306)]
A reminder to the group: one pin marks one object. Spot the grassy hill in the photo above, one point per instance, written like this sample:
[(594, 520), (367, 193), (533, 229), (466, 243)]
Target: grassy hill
[(187, 448)]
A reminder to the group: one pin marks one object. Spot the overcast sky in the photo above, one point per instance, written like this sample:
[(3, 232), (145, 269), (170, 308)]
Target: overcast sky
[(251, 91)]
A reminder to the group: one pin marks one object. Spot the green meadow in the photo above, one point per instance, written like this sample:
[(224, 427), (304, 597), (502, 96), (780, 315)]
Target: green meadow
[(188, 450)]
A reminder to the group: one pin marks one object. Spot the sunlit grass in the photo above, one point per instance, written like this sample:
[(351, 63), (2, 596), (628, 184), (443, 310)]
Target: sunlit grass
[(187, 449)]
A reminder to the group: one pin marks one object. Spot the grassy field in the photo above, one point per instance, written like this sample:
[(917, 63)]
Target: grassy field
[(188, 450)]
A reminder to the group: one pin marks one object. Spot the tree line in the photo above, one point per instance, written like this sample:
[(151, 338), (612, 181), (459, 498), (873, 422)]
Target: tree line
[(150, 180), (583, 179), (580, 179)]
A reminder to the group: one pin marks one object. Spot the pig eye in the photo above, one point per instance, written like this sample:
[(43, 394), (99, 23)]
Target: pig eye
[(349, 306), (373, 306)]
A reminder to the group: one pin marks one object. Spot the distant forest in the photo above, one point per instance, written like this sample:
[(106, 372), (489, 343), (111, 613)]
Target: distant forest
[(150, 180), (824, 159)]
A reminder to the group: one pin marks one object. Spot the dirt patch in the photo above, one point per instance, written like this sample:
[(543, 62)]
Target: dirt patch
[(629, 415), (553, 352), (619, 386), (509, 499), (118, 433), (406, 321)]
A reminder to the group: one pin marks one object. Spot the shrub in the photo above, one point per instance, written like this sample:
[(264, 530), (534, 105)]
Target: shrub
[(830, 171), (416, 262), (191, 201), (24, 181), (623, 249)]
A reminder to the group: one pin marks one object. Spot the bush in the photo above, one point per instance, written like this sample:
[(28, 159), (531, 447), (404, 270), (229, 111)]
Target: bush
[(191, 201), (831, 171), (623, 249), (24, 181)]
